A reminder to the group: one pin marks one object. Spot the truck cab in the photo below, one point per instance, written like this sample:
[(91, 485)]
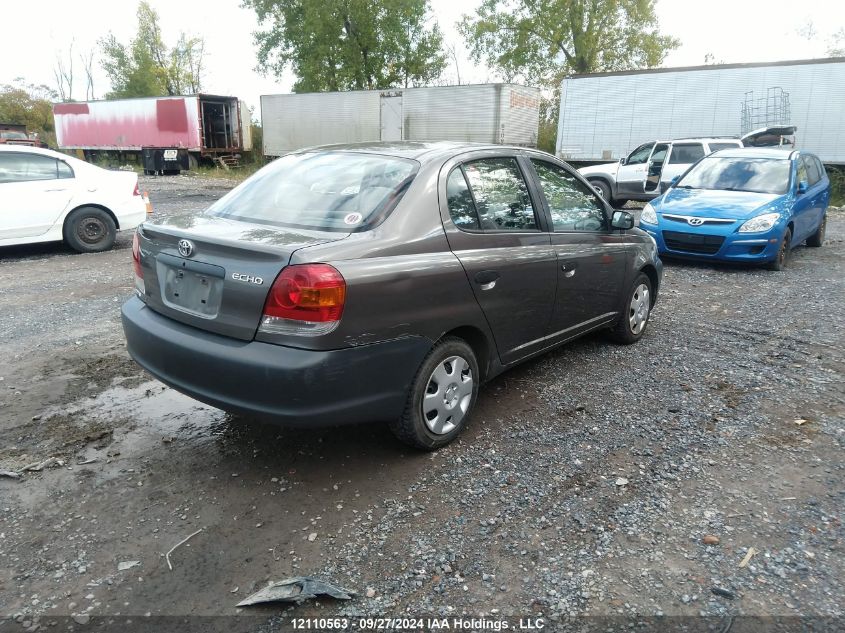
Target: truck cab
[(647, 171)]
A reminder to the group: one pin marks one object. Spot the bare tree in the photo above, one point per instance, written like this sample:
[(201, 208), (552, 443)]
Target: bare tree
[(452, 51), (87, 60), (64, 74)]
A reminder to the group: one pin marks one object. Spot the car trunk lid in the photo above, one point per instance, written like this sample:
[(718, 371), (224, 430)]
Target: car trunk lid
[(213, 273)]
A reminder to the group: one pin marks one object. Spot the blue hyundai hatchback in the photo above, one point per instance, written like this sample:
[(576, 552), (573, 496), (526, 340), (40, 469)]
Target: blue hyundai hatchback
[(745, 205)]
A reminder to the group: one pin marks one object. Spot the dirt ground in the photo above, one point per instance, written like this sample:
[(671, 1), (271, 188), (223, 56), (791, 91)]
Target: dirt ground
[(585, 485)]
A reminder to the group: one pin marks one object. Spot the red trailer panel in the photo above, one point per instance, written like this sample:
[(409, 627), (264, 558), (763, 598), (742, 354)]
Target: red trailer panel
[(129, 124)]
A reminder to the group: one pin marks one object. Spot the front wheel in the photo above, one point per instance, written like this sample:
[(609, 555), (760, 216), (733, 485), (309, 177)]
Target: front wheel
[(90, 230), (782, 258), (602, 188), (631, 325), (441, 397)]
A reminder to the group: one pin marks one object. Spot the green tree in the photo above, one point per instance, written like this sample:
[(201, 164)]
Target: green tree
[(540, 40), (29, 105), (348, 44), (146, 67)]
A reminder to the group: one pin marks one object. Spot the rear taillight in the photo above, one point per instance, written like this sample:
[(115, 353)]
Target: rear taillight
[(136, 191), (136, 264), (305, 299)]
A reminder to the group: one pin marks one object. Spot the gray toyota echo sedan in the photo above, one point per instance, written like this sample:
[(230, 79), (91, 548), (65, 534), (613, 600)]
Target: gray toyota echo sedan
[(383, 282)]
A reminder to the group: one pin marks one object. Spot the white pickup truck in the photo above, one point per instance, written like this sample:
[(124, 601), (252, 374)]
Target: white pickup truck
[(647, 171)]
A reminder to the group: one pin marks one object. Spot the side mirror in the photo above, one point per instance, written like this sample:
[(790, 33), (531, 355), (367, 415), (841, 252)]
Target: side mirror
[(622, 220), (803, 186), (674, 181), (623, 161)]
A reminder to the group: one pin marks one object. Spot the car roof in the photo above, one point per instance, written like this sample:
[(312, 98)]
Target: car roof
[(420, 151), (703, 139), (758, 152), (32, 150)]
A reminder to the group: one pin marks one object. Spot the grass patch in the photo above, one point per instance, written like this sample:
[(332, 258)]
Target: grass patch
[(237, 173), (836, 173)]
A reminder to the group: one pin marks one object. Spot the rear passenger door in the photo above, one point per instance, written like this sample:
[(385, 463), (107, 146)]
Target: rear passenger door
[(591, 259), (817, 193), (495, 228)]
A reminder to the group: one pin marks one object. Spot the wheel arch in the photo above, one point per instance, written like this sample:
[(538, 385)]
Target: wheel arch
[(651, 272), (480, 344), (606, 180), (93, 205)]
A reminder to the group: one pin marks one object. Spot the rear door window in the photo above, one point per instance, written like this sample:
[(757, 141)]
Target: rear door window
[(501, 195), (22, 167), (573, 205), (686, 153)]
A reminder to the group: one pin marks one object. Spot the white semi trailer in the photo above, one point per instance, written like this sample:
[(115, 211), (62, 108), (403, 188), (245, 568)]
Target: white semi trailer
[(484, 113), (603, 116)]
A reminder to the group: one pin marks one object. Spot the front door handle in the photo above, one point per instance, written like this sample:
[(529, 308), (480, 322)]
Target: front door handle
[(487, 279)]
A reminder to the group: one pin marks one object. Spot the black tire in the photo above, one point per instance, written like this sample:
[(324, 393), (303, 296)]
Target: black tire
[(624, 331), (602, 188), (89, 230), (781, 260), (412, 428), (817, 238)]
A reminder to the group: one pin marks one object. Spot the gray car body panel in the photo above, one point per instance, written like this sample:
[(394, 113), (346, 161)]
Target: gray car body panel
[(410, 280)]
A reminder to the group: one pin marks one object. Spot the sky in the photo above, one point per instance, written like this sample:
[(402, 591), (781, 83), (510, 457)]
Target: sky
[(732, 31)]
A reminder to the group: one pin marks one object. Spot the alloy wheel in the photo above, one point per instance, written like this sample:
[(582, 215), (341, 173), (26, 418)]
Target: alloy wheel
[(638, 310), (448, 395)]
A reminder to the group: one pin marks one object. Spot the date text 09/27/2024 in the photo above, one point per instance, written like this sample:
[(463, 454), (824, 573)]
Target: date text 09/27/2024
[(417, 624)]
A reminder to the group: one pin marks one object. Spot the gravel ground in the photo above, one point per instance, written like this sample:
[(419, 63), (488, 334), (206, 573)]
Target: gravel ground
[(597, 480)]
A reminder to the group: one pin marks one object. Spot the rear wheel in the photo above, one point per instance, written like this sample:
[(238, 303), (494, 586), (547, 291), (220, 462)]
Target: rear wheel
[(89, 230), (602, 188), (441, 397), (631, 326), (782, 258), (817, 238)]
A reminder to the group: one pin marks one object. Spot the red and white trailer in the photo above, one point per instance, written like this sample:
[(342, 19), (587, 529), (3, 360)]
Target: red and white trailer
[(197, 125)]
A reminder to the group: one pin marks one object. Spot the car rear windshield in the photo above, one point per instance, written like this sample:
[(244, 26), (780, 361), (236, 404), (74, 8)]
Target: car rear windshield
[(326, 191), (760, 175)]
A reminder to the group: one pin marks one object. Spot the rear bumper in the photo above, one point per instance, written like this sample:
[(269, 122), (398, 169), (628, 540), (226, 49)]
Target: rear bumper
[(131, 214), (279, 384)]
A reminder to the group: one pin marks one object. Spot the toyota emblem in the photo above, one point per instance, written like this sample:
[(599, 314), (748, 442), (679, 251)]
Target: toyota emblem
[(692, 222), (186, 248)]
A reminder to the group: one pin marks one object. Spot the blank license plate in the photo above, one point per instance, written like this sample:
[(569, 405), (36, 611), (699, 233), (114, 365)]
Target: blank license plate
[(192, 292)]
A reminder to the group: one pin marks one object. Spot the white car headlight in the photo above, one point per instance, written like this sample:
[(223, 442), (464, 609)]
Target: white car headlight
[(648, 215), (761, 223)]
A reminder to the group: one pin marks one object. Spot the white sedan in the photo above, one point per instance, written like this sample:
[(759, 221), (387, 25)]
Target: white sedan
[(46, 196)]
